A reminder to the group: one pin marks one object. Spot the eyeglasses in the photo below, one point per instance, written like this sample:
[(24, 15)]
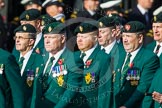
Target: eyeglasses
[(20, 38)]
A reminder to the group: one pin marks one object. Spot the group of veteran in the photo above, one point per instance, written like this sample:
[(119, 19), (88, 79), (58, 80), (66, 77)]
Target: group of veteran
[(104, 73)]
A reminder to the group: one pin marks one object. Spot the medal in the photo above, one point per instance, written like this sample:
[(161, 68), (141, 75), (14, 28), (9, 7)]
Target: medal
[(88, 78), (30, 77), (60, 80), (93, 77)]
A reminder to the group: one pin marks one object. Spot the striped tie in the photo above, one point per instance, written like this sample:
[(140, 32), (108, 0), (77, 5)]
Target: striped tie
[(21, 62), (125, 68)]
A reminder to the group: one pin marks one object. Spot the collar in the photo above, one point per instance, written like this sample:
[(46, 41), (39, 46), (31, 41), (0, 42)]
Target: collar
[(27, 55), (134, 53), (59, 16), (38, 38), (89, 52), (141, 9), (109, 47), (91, 12)]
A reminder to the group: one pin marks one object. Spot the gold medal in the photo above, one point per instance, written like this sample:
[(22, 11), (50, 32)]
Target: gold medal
[(88, 78), (60, 80)]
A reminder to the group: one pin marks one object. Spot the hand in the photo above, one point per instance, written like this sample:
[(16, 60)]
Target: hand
[(122, 107), (157, 96)]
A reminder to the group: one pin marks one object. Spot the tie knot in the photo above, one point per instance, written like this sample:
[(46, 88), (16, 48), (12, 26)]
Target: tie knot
[(129, 55), (82, 55), (51, 59), (21, 59)]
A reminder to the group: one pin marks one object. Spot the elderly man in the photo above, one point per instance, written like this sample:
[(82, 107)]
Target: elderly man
[(135, 70), (29, 62), (155, 46), (96, 65), (32, 16), (56, 86)]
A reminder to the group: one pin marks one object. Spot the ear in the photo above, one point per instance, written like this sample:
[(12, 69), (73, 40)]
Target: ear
[(113, 32), (140, 38), (31, 42), (63, 38)]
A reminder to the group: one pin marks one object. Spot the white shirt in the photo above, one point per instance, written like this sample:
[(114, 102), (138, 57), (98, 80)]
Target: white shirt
[(59, 16), (160, 50), (109, 47), (91, 12), (26, 58), (141, 9), (56, 56), (38, 38), (88, 53), (133, 54)]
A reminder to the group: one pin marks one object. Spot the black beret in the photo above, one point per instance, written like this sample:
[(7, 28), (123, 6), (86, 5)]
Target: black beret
[(158, 18), (26, 28)]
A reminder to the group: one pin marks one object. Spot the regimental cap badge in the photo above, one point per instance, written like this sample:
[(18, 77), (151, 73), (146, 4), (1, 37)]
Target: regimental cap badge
[(100, 24), (110, 15), (27, 16), (42, 23), (81, 28), (49, 29), (60, 1), (155, 18), (127, 27), (24, 28)]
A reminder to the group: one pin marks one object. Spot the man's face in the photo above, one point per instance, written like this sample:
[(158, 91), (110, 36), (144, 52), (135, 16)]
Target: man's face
[(33, 6), (105, 36), (52, 10), (131, 41), (54, 42), (157, 31), (147, 4), (35, 23), (23, 41), (86, 41), (92, 4)]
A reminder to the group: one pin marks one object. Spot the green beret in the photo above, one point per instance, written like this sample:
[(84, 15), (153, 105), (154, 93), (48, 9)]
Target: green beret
[(87, 27), (46, 19), (54, 28), (133, 27), (29, 15), (158, 18), (26, 28), (107, 21)]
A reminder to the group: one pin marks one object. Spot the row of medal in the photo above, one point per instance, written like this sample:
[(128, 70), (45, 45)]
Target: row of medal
[(1, 68), (59, 70), (133, 75), (30, 77)]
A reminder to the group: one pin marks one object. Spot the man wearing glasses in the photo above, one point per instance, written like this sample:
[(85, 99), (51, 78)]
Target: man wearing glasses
[(28, 61)]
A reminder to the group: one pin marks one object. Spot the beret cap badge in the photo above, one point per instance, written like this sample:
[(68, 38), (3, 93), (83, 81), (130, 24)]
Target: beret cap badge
[(42, 22), (100, 24), (155, 18), (81, 28), (27, 16), (50, 29), (127, 27), (24, 28)]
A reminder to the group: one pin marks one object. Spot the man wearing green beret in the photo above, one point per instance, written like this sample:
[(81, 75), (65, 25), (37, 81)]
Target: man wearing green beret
[(96, 65), (29, 62), (155, 46), (32, 16), (32, 4), (137, 65), (107, 40), (58, 84)]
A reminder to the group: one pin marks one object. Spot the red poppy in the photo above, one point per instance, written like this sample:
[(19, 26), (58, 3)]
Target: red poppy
[(88, 63), (131, 65), (60, 61)]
